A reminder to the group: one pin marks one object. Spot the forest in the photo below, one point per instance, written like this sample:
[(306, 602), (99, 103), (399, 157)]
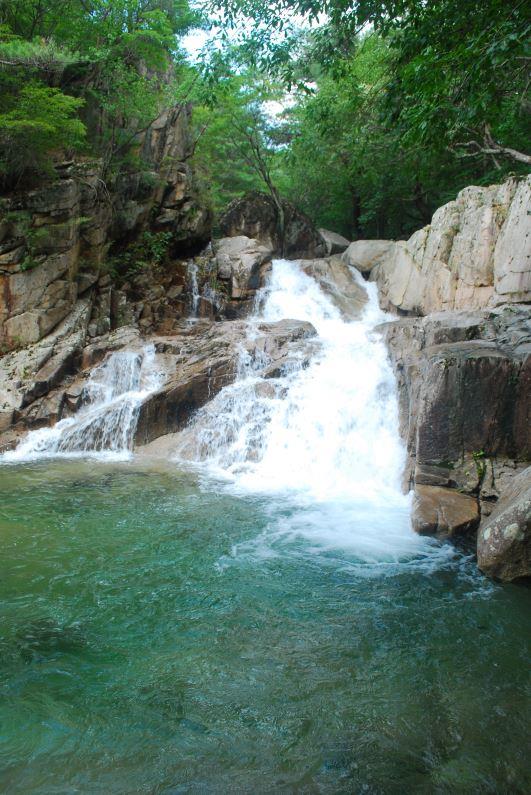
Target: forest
[(367, 115)]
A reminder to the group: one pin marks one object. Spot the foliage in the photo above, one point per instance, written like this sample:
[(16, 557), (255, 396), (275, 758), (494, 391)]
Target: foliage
[(400, 103), (235, 148), (42, 120), (150, 249), (117, 59)]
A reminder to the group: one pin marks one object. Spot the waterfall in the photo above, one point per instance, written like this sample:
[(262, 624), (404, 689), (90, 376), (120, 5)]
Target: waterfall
[(106, 423), (323, 436), (330, 429), (194, 288)]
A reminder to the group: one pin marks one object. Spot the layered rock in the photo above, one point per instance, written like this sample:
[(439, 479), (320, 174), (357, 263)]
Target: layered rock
[(204, 358), (55, 239), (475, 253), (463, 381)]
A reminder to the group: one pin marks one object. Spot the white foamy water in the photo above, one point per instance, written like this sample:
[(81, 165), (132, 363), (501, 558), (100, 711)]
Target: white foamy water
[(104, 427), (322, 440)]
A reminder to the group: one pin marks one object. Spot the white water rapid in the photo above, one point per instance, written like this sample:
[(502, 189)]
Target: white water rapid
[(322, 439), (104, 427)]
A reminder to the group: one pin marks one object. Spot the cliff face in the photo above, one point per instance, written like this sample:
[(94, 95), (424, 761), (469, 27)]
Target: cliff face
[(55, 240)]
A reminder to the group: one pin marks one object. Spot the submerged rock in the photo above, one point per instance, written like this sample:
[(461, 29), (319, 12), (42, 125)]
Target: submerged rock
[(504, 539)]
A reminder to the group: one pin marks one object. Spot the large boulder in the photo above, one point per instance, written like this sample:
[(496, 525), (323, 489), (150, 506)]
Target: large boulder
[(255, 216), (504, 540), (333, 243), (364, 255), (336, 279), (239, 260)]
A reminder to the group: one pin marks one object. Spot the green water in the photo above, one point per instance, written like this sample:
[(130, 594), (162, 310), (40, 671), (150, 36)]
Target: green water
[(154, 641)]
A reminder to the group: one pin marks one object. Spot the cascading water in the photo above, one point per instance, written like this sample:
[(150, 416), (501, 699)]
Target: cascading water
[(106, 423), (325, 437), (194, 288)]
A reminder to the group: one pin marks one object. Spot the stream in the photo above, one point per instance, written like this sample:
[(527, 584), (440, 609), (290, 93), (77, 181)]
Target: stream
[(252, 613)]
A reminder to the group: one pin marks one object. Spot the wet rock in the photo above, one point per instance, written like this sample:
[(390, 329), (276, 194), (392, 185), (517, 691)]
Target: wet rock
[(205, 357), (442, 512), (31, 373), (504, 539), (335, 278)]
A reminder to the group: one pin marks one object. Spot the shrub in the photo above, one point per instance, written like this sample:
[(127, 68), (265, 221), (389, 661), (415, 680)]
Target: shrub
[(41, 121)]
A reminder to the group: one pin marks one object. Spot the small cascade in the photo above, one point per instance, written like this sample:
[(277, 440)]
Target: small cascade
[(106, 423), (194, 288)]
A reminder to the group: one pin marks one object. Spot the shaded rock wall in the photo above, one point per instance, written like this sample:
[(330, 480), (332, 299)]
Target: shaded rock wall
[(255, 216), (54, 240)]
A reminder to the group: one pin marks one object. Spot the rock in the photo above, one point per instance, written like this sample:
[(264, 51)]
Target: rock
[(238, 261), (512, 254), (333, 243), (463, 386), (442, 512), (337, 280), (364, 255), (255, 216), (65, 226), (504, 539), (475, 253), (202, 359), (29, 374)]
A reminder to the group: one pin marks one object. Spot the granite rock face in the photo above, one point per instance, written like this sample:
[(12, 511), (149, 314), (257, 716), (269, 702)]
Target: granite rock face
[(464, 380), (476, 253), (463, 383)]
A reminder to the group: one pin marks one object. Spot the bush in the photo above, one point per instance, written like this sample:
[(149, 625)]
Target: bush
[(41, 121)]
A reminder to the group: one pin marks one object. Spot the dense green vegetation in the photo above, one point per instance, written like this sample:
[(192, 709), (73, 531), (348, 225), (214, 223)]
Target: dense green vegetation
[(398, 103), (84, 74), (390, 106)]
